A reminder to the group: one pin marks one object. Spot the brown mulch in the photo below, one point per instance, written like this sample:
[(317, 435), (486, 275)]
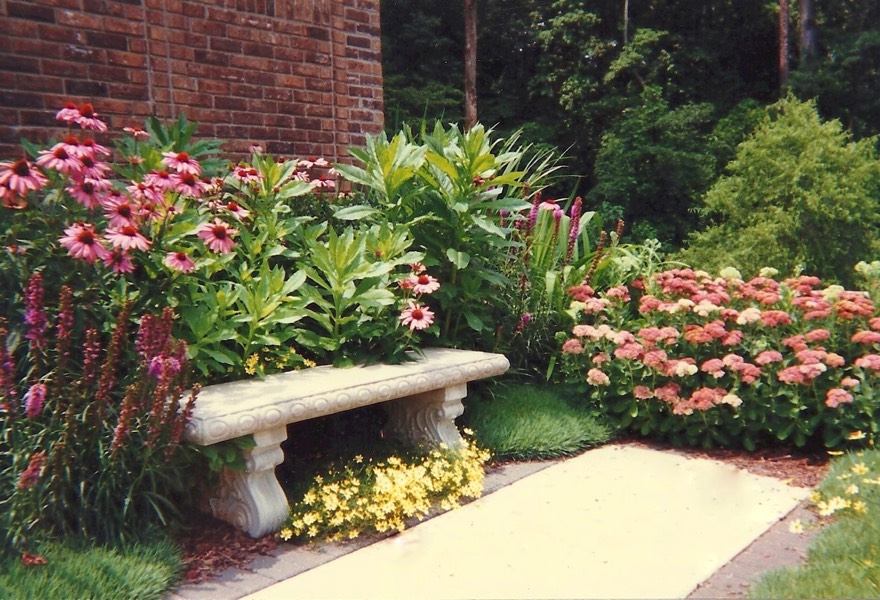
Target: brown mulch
[(799, 469), (210, 546)]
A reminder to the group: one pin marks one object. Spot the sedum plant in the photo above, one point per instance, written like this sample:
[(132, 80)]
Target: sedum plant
[(718, 361)]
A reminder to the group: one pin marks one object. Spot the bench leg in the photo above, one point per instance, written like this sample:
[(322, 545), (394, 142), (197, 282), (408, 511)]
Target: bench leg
[(429, 417), (252, 499)]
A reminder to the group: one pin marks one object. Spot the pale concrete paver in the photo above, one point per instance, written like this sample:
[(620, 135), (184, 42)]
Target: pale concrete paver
[(616, 522)]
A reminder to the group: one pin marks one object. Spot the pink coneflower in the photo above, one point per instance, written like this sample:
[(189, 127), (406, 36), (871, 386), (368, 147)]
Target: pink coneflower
[(82, 242), (160, 180), (20, 177), (137, 133), (59, 159), (180, 261), (127, 237), (141, 192), (181, 162), (416, 316), (93, 169), (424, 283), (89, 192), (188, 184), (119, 260), (255, 149), (217, 235), (325, 183), (88, 118), (119, 210), (236, 210), (34, 400), (417, 268), (68, 114), (246, 174), (91, 148)]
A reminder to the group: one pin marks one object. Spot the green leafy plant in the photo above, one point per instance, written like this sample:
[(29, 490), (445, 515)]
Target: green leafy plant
[(350, 281), (453, 189)]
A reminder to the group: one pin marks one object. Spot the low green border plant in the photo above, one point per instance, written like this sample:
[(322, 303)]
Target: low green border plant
[(524, 421), (61, 570), (844, 559)]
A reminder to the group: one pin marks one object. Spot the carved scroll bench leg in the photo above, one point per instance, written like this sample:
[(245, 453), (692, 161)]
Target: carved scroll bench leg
[(429, 417), (253, 500)]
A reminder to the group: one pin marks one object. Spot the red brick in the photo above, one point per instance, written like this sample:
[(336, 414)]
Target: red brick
[(126, 59)]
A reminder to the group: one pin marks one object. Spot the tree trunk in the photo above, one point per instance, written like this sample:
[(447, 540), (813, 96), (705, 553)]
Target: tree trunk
[(625, 22), (807, 47), (470, 63), (783, 46)]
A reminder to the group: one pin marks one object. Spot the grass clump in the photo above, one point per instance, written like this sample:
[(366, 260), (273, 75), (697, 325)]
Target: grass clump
[(524, 422), (844, 559), (143, 570)]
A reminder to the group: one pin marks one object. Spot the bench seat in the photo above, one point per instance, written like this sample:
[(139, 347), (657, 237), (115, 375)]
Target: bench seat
[(423, 398)]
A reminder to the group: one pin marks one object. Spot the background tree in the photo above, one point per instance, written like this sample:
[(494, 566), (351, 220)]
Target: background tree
[(801, 195)]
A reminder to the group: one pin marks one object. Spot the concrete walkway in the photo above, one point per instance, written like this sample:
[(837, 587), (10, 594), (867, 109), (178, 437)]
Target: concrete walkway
[(616, 522)]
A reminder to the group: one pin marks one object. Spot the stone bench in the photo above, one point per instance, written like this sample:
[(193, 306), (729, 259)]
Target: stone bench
[(423, 399)]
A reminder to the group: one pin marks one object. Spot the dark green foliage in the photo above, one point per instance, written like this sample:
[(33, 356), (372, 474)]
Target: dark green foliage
[(524, 421), (800, 196), (653, 163)]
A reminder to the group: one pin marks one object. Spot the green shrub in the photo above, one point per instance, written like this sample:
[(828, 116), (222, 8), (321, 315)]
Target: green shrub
[(525, 422), (706, 361), (800, 196)]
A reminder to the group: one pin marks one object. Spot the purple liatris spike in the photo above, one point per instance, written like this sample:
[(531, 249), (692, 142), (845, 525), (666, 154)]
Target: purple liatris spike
[(34, 400), (558, 213), (34, 314), (533, 214), (573, 226)]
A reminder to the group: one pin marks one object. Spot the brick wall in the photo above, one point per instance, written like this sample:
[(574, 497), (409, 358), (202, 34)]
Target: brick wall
[(300, 77)]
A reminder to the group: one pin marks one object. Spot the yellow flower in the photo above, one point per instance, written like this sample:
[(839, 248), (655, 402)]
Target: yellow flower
[(250, 365), (851, 490), (856, 435), (796, 526), (309, 363), (859, 507), (313, 531), (859, 469), (835, 452), (358, 459)]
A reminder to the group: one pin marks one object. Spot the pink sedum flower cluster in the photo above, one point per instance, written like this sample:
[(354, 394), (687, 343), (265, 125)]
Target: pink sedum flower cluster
[(750, 356)]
